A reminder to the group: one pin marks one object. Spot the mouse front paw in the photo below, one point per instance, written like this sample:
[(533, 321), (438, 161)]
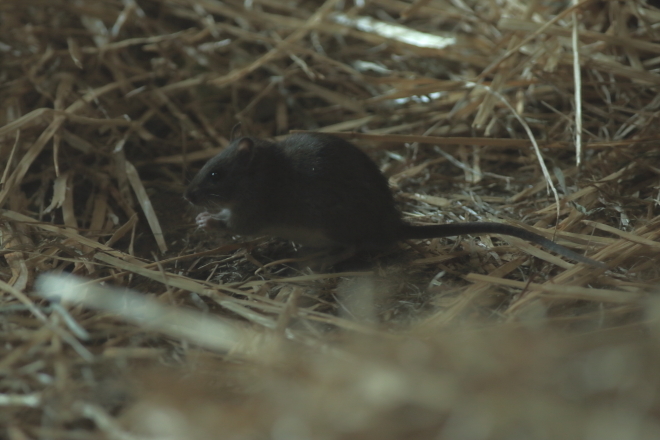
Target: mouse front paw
[(206, 220), (203, 219)]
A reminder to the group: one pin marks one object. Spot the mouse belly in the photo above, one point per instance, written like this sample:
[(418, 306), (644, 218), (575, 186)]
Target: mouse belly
[(313, 237), (309, 236)]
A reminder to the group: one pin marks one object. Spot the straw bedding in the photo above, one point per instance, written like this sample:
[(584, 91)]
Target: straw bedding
[(120, 320)]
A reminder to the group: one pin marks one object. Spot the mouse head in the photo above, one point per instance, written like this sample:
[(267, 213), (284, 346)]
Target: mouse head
[(224, 179)]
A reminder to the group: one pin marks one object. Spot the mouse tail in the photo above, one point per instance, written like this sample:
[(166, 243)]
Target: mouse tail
[(453, 229)]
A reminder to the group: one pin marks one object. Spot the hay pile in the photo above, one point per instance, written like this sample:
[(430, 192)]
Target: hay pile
[(474, 110)]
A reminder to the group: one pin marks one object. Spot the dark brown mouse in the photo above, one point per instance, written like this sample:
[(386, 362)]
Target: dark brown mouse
[(319, 190)]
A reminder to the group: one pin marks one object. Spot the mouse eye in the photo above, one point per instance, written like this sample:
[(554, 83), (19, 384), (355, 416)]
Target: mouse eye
[(215, 176)]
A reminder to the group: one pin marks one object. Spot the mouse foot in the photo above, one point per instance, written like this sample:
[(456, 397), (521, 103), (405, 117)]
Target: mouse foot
[(206, 220)]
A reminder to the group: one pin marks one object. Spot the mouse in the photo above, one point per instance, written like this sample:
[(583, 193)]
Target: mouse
[(318, 190)]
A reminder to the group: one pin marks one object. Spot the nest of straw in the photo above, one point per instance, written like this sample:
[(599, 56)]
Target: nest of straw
[(121, 320)]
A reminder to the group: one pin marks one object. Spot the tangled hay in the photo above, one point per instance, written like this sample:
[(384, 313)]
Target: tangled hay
[(120, 320)]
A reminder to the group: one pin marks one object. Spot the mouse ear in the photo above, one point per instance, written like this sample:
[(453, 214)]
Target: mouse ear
[(245, 148), (236, 132), (245, 145)]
